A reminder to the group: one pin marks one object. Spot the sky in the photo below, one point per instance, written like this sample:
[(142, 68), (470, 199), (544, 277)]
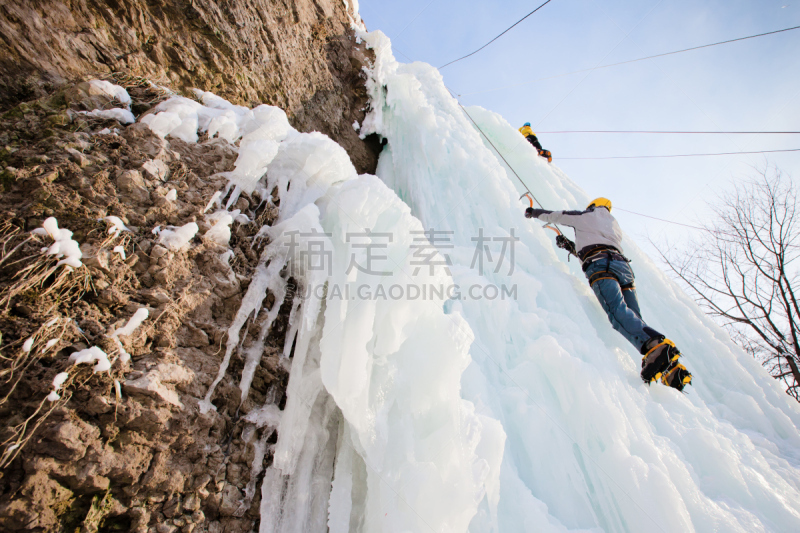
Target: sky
[(751, 85)]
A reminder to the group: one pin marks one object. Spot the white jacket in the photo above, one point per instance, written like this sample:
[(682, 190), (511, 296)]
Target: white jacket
[(593, 226)]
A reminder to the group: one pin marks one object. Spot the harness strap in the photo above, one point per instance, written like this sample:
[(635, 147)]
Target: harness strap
[(597, 276), (608, 254), (603, 274)]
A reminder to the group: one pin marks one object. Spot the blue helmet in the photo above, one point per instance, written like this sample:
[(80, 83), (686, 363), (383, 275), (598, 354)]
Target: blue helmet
[(527, 124)]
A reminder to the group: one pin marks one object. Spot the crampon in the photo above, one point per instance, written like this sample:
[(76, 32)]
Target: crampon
[(660, 363)]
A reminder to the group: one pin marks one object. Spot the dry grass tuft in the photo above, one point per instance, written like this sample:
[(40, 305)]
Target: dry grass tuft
[(51, 291)]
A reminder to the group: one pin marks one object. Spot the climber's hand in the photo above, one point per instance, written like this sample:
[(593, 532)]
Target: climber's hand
[(533, 213)]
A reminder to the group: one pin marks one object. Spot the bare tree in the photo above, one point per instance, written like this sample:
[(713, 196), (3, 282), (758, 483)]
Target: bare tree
[(743, 272)]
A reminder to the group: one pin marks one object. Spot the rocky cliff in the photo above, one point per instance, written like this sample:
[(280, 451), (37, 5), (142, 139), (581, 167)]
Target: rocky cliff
[(127, 449), (299, 55)]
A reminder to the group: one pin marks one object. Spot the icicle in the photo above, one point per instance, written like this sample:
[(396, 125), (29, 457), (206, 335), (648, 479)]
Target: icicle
[(251, 303), (264, 277), (256, 467), (294, 326), (253, 354)]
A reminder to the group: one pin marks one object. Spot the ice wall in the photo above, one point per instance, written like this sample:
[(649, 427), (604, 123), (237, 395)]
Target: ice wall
[(589, 447), (375, 435)]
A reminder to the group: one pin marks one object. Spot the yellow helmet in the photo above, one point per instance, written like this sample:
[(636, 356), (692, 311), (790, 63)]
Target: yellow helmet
[(601, 202)]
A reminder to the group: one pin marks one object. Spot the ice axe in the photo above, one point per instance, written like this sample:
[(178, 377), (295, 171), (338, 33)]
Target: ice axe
[(561, 241), (530, 198)]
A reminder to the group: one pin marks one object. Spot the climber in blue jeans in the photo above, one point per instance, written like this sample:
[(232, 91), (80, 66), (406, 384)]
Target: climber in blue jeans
[(598, 244)]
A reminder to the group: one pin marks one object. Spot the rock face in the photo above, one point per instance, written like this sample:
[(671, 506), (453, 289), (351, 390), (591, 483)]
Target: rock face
[(145, 459), (300, 55), (127, 449)]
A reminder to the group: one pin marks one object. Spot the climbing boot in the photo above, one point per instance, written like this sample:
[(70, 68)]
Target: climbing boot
[(658, 359), (676, 376)]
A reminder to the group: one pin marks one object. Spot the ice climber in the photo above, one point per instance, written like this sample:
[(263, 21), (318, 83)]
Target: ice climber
[(527, 132), (598, 241)]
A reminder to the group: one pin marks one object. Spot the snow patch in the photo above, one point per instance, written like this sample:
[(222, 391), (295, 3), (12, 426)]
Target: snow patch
[(265, 416), (123, 116), (112, 90), (117, 225), (220, 232), (92, 355), (177, 239), (133, 322), (58, 381), (63, 247), (156, 169)]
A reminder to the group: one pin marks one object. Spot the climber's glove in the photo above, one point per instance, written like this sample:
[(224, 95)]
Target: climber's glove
[(564, 243), (533, 213)]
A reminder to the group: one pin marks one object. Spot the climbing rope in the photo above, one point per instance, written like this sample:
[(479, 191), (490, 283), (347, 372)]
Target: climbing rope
[(493, 40), (629, 61), (498, 153), (677, 155), (681, 132), (529, 194)]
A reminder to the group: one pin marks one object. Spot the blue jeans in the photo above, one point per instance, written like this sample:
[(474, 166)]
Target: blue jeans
[(621, 305)]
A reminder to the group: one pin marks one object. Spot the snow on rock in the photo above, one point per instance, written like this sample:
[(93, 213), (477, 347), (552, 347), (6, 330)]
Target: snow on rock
[(133, 322), (109, 89), (122, 116), (121, 251), (153, 383), (251, 165), (183, 117), (64, 248), (117, 225), (220, 232), (267, 415), (156, 169), (172, 195), (259, 132), (162, 123), (58, 381), (177, 239), (269, 123), (92, 355)]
